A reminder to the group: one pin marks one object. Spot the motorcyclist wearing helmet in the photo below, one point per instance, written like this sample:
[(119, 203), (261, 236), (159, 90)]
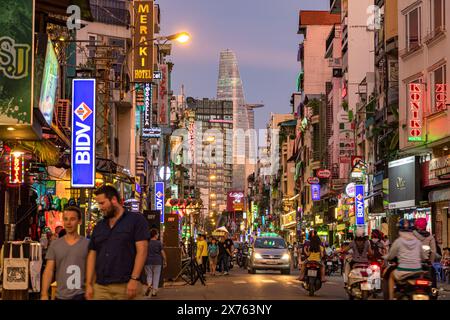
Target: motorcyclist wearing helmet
[(361, 250), (408, 250), (428, 245), (377, 245)]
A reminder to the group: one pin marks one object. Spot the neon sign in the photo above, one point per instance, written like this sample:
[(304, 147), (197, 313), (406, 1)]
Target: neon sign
[(16, 175), (415, 112), (440, 97)]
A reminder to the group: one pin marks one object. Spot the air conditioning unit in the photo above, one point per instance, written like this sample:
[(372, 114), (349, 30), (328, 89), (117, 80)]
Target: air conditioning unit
[(63, 109)]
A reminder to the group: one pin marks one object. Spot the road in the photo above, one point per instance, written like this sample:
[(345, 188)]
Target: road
[(265, 285)]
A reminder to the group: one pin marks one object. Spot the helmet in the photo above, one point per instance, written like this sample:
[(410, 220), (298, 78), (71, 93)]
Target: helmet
[(376, 234), (405, 225), (421, 223)]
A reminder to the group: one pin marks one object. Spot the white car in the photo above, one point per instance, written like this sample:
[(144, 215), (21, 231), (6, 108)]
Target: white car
[(269, 253)]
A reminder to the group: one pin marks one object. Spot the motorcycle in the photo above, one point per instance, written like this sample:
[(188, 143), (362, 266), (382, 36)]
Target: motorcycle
[(332, 264), (375, 277), (417, 286), (312, 281), (360, 281)]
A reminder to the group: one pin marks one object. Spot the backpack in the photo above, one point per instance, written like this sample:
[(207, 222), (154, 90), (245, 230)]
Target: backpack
[(213, 251)]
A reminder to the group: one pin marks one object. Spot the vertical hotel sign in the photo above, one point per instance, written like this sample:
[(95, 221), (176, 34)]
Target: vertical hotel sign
[(83, 133), (143, 41), (16, 172), (415, 96), (16, 61), (359, 204), (159, 199)]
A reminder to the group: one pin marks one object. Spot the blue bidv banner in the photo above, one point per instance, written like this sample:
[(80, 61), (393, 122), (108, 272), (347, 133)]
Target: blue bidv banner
[(159, 198), (83, 133), (359, 204), (315, 192)]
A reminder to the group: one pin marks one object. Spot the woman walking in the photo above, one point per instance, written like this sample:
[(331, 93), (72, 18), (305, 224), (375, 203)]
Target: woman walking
[(213, 253), (156, 259)]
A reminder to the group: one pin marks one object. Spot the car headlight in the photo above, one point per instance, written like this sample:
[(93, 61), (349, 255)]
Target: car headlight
[(257, 256), (285, 256)]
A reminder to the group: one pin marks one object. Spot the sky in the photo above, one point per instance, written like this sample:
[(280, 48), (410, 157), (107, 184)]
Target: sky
[(262, 33)]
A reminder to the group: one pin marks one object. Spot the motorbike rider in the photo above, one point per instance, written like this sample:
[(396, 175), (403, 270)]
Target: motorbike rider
[(408, 250), (314, 252), (378, 248), (429, 243), (361, 250)]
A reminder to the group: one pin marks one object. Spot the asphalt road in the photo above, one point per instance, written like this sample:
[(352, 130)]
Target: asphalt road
[(264, 285)]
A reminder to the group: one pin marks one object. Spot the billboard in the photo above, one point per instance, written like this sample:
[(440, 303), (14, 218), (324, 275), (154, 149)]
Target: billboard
[(235, 201), (143, 41), (16, 62), (159, 199), (163, 98), (404, 187), (49, 83), (359, 204), (315, 192), (83, 133)]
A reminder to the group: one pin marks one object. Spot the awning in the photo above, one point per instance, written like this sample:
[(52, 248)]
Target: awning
[(288, 123), (439, 195)]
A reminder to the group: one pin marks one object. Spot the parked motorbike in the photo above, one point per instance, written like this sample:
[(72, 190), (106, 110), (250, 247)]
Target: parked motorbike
[(312, 281), (360, 282), (332, 264)]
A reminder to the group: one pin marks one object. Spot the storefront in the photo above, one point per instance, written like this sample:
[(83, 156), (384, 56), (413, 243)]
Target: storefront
[(289, 226)]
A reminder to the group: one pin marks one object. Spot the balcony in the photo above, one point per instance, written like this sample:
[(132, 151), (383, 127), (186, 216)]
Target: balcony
[(436, 35)]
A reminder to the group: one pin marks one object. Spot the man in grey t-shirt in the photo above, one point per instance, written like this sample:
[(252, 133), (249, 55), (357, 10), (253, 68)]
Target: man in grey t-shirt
[(68, 256)]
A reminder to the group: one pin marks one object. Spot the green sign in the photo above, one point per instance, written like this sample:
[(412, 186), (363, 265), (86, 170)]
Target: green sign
[(16, 61)]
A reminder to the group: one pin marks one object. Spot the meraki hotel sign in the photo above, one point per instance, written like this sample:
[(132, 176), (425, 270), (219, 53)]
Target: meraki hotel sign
[(143, 41)]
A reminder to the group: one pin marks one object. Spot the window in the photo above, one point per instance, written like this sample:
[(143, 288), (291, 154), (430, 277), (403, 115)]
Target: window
[(413, 29), (91, 49), (437, 15), (438, 89)]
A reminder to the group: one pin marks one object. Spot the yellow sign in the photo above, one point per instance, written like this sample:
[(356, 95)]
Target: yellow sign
[(143, 41)]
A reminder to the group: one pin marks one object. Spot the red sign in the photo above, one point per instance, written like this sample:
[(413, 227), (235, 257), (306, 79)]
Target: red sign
[(323, 173), (313, 180), (163, 99), (415, 112), (235, 201), (356, 160), (16, 175), (440, 97)]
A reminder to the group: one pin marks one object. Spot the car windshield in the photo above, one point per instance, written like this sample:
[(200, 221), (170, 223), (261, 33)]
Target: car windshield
[(270, 243)]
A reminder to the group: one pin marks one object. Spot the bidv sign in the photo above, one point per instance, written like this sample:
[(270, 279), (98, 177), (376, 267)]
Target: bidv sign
[(359, 204), (83, 133), (159, 198)]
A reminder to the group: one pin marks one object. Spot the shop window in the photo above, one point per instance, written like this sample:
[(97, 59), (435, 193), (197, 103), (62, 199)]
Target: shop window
[(438, 89), (413, 29)]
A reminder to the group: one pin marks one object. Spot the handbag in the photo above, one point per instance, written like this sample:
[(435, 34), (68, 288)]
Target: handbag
[(35, 266), (15, 271)]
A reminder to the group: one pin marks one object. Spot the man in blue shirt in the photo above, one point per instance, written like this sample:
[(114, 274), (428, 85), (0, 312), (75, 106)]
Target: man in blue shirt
[(117, 250)]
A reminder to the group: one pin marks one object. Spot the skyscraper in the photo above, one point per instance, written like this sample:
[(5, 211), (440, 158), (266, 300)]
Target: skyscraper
[(229, 87)]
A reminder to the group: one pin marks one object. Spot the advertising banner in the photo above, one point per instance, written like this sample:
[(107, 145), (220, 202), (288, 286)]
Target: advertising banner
[(143, 41), (16, 62), (404, 187), (159, 198), (163, 98), (359, 204), (147, 111), (315, 192), (83, 133), (49, 83), (415, 114), (235, 201)]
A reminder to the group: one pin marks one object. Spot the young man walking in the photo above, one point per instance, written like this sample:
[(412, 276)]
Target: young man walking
[(68, 256), (117, 250)]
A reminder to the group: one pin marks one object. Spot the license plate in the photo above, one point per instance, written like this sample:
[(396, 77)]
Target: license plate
[(420, 297), (312, 273), (329, 263), (366, 286), (271, 262)]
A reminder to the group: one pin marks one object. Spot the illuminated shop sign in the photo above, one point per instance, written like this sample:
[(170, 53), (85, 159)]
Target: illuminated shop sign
[(440, 96), (359, 204), (16, 172), (143, 44), (415, 112)]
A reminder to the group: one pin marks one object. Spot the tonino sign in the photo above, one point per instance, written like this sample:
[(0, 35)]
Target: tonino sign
[(83, 133), (415, 111)]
